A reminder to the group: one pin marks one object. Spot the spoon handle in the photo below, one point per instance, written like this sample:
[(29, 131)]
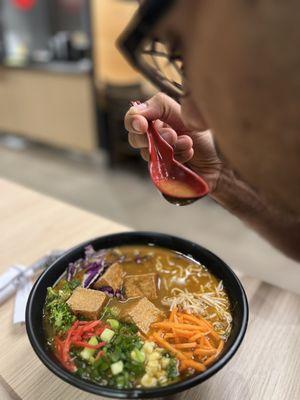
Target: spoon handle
[(167, 149)]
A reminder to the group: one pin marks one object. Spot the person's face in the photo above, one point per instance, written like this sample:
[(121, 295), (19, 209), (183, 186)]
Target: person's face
[(242, 68)]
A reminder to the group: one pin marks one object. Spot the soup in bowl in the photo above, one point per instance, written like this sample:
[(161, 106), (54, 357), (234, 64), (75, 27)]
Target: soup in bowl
[(137, 315)]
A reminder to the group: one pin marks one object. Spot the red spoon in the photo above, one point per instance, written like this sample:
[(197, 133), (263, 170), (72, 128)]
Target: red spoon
[(177, 183)]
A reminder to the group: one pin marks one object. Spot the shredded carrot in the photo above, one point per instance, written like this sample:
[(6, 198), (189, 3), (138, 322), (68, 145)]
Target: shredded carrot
[(168, 346), (185, 345), (206, 343), (190, 338), (205, 352), (196, 336), (170, 325), (169, 336), (214, 336), (173, 312), (212, 358), (176, 338), (184, 332), (188, 354), (181, 335), (205, 324), (196, 365), (190, 317)]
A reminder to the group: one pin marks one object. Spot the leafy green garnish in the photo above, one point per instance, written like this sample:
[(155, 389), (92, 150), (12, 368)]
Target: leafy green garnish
[(119, 348), (172, 369), (67, 289), (57, 311), (109, 312)]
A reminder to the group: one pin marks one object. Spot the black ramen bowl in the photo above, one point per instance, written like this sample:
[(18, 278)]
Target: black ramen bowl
[(34, 310)]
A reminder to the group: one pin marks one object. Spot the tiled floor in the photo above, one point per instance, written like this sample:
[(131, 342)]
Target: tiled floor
[(129, 197)]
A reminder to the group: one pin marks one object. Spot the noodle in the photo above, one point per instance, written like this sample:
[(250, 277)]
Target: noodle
[(208, 304)]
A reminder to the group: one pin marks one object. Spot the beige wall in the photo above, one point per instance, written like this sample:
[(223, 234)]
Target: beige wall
[(58, 108), (52, 108), (109, 17)]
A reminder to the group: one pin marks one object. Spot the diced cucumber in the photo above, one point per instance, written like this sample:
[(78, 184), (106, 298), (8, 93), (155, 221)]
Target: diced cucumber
[(107, 335), (138, 355), (117, 367), (120, 381), (87, 354), (113, 323)]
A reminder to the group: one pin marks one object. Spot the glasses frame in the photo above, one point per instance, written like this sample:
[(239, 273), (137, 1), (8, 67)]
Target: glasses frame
[(132, 39)]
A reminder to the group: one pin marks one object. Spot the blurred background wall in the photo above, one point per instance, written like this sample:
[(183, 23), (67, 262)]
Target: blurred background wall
[(62, 76)]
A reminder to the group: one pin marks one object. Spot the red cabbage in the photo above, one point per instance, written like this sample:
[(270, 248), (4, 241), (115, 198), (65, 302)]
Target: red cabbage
[(94, 266), (89, 251), (71, 271), (111, 293), (107, 290), (73, 268), (93, 272), (119, 295)]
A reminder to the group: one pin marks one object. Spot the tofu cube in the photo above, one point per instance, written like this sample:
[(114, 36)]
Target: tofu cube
[(87, 302), (141, 285), (113, 277), (143, 314)]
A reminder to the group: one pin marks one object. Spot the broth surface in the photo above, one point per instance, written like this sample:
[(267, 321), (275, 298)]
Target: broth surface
[(183, 284)]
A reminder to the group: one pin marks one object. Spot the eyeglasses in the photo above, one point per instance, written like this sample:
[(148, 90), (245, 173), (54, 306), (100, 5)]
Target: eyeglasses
[(154, 58)]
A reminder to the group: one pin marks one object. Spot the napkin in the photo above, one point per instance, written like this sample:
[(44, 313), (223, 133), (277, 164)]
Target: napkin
[(21, 301), (18, 279), (9, 281)]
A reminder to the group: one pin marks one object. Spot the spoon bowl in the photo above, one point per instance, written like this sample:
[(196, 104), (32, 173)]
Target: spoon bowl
[(178, 184)]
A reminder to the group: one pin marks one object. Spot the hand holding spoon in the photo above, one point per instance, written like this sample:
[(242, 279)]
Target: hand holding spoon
[(177, 183)]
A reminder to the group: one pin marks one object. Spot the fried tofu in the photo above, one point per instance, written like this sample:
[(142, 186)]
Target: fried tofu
[(87, 303), (143, 314), (141, 285), (113, 277)]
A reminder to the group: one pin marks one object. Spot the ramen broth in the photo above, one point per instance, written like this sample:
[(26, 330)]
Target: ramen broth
[(175, 188), (183, 285), (174, 270)]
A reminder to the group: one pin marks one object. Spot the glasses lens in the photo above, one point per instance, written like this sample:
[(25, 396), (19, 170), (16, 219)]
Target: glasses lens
[(163, 67)]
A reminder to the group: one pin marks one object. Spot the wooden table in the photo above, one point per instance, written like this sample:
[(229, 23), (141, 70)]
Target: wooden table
[(266, 367)]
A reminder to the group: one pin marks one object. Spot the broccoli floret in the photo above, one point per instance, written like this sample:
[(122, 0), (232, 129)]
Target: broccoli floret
[(67, 289), (56, 309)]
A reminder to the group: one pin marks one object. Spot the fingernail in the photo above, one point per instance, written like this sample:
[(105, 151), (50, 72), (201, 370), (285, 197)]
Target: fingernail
[(136, 125), (140, 107)]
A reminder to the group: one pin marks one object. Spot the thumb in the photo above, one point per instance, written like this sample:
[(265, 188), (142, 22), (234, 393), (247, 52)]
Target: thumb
[(160, 107)]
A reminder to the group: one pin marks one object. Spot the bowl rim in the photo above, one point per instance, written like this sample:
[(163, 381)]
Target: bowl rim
[(135, 393)]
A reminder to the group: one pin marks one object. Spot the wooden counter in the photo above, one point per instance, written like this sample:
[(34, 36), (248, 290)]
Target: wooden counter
[(266, 367)]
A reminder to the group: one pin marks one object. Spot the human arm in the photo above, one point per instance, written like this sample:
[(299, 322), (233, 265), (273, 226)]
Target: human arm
[(197, 149)]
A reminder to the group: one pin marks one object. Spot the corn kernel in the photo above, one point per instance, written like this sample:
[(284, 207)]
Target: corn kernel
[(148, 347), (165, 362), (154, 365), (163, 379), (154, 356), (148, 381)]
